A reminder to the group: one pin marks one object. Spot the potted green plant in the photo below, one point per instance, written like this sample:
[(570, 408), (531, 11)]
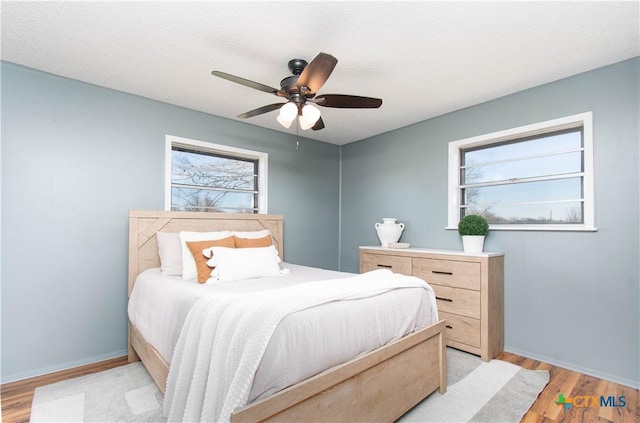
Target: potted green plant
[(473, 228)]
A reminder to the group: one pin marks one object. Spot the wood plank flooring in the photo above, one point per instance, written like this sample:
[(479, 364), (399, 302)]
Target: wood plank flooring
[(17, 396), (573, 384)]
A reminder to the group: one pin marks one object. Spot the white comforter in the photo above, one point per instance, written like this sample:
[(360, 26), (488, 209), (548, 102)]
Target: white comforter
[(226, 334)]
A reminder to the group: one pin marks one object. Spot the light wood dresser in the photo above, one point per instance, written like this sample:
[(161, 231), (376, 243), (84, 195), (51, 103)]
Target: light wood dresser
[(468, 287)]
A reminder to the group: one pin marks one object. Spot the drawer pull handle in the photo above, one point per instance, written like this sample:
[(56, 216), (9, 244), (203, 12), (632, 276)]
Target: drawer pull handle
[(449, 300), (385, 265), (449, 326), (439, 272)]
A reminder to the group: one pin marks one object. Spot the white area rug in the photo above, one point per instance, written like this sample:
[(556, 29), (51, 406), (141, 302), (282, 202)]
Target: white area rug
[(495, 392), (478, 392)]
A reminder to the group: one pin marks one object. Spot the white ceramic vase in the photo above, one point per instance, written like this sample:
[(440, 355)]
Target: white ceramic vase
[(473, 243), (389, 231)]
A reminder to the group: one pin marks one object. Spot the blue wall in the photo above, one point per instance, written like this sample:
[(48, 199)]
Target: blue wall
[(75, 159), (571, 299)]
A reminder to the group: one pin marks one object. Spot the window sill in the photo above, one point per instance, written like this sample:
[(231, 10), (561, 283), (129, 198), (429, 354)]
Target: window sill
[(547, 228)]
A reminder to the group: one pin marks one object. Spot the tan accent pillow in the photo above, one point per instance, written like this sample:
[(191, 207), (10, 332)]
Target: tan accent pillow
[(196, 247), (253, 242), (189, 270)]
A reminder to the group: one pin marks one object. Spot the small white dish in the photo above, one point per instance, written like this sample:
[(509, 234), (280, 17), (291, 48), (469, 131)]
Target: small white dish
[(399, 245)]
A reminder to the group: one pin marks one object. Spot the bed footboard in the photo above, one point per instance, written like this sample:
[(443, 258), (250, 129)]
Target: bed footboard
[(379, 386)]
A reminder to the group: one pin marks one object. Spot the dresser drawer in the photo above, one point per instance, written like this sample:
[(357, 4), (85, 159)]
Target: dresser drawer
[(463, 302), (397, 264), (462, 329), (459, 274)]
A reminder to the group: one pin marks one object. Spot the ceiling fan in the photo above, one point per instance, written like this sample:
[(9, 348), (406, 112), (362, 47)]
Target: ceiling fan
[(300, 92)]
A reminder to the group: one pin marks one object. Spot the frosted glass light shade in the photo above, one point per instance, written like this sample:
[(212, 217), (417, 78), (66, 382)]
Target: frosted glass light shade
[(287, 114), (289, 111), (284, 122), (309, 117)]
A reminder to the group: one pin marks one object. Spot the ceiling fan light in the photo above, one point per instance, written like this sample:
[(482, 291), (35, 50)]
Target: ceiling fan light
[(305, 124), (288, 112), (284, 122), (310, 113)]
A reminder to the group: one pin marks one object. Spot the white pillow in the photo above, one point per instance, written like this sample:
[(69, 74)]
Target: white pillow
[(233, 264), (170, 253), (189, 269)]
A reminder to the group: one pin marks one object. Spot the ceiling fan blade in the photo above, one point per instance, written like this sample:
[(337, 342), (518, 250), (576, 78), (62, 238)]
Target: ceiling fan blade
[(344, 101), (248, 83), (316, 73), (261, 110), (318, 126)]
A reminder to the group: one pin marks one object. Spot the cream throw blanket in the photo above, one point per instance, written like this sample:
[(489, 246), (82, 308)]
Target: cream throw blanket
[(225, 335)]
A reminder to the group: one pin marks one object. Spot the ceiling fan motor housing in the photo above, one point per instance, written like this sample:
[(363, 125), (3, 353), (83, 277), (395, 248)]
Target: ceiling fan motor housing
[(289, 84)]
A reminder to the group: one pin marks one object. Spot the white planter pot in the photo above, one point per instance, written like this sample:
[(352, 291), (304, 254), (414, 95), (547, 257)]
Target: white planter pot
[(473, 243), (389, 231)]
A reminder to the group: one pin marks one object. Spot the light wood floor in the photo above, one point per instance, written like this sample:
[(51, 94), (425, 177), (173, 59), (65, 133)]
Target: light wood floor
[(17, 396)]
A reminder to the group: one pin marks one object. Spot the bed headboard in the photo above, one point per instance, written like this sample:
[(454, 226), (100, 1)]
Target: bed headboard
[(143, 225)]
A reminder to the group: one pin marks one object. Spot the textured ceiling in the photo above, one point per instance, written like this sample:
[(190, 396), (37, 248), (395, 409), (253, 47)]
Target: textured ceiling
[(423, 59)]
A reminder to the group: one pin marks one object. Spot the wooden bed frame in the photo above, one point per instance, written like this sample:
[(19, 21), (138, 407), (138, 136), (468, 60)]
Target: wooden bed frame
[(381, 385)]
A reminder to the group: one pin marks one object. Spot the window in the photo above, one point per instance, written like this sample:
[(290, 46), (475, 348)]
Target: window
[(206, 177), (535, 177)]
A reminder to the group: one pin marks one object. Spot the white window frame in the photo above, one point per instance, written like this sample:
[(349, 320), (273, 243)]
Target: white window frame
[(263, 159), (584, 120)]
